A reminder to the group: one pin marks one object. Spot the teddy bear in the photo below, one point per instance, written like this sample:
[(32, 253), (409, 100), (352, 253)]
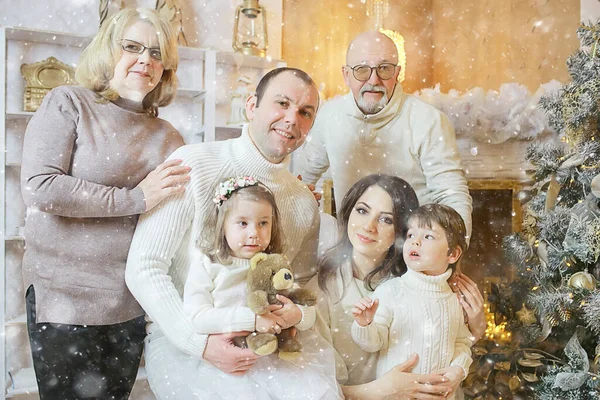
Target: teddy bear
[(270, 275)]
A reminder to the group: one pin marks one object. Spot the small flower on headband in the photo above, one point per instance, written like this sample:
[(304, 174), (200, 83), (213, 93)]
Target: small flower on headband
[(226, 188)]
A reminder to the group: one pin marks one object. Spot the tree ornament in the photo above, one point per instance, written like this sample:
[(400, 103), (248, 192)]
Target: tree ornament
[(597, 357), (553, 319), (526, 316), (529, 225), (582, 280)]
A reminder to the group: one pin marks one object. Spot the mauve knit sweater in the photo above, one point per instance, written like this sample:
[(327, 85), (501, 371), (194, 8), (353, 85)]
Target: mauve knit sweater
[(82, 161)]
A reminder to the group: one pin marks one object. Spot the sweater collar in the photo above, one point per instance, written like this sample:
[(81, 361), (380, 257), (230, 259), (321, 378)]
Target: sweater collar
[(246, 157), (129, 105), (372, 124), (418, 281)]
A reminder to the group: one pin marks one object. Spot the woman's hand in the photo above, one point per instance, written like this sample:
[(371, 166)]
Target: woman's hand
[(398, 384), (167, 179), (471, 301), (290, 312), (223, 354), (455, 375), (364, 310)]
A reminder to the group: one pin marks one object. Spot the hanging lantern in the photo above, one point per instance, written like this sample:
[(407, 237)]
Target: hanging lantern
[(250, 29)]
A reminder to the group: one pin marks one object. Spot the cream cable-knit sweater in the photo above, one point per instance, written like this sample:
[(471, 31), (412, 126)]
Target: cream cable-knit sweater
[(215, 297), (407, 138), (164, 244), (417, 314)]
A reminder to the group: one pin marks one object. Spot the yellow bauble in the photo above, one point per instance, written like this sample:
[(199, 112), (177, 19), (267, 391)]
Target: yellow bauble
[(582, 280)]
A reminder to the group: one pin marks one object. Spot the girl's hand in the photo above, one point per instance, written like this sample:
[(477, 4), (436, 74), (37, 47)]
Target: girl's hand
[(290, 312), (455, 375), (269, 323), (166, 180), (471, 301), (364, 311)]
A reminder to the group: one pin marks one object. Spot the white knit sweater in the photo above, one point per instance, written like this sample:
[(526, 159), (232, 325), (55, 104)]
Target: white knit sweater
[(407, 138), (164, 243), (215, 297), (354, 366), (417, 314)]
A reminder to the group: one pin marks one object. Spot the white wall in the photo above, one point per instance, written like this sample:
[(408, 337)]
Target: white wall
[(590, 10), (207, 23)]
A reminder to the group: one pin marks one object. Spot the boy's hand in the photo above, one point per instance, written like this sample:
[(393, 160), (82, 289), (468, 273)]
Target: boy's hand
[(290, 312), (364, 310)]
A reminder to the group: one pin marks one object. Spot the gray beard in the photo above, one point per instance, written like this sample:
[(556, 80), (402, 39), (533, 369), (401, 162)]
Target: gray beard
[(371, 107)]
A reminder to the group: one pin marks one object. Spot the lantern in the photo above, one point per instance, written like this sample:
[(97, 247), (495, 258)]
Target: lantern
[(250, 29)]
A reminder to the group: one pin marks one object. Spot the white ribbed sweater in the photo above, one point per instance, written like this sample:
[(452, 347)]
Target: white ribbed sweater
[(164, 243), (407, 138), (417, 314)]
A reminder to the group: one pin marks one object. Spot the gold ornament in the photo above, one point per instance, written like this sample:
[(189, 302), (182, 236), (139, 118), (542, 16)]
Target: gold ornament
[(597, 357), (529, 225), (582, 280), (526, 316), (570, 103), (514, 382), (43, 76), (552, 319)]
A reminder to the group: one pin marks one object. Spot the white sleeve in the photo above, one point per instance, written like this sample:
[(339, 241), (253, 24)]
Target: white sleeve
[(462, 349), (198, 305), (313, 160), (158, 235), (322, 326), (375, 336), (443, 171)]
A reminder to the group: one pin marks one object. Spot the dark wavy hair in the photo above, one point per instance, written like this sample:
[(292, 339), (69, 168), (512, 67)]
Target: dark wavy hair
[(404, 200)]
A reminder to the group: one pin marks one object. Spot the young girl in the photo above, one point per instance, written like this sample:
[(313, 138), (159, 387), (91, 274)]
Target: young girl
[(246, 222), (418, 312), (372, 224)]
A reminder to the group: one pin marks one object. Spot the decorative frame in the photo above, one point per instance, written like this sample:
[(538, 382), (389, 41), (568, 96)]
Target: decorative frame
[(43, 76)]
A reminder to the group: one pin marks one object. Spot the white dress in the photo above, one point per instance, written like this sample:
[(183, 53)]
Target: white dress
[(215, 300)]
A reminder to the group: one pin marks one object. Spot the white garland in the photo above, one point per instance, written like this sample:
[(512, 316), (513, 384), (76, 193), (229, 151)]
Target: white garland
[(493, 117)]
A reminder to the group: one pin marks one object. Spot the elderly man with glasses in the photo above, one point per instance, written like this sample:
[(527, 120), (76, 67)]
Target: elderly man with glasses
[(377, 128)]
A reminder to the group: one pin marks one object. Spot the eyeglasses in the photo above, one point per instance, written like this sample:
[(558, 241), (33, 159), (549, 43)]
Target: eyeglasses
[(362, 72), (131, 46)]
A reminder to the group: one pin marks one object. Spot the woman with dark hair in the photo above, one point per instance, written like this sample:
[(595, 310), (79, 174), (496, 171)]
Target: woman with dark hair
[(372, 224)]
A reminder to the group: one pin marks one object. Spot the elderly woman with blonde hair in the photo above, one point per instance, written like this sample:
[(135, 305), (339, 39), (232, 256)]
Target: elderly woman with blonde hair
[(91, 165)]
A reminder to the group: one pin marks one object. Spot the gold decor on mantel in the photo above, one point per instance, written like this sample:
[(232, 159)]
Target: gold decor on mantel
[(43, 76)]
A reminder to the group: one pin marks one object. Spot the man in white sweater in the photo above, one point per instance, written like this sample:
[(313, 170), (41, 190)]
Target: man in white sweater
[(377, 128), (164, 245)]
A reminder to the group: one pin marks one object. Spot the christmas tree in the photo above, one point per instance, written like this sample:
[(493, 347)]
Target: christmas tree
[(552, 308)]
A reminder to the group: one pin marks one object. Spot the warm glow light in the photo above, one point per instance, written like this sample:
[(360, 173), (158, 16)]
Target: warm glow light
[(398, 40), (493, 331)]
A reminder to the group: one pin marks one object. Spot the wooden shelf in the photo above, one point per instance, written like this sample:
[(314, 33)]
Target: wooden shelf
[(48, 37), (14, 238), (23, 381), (18, 320), (18, 115), (196, 94), (241, 60)]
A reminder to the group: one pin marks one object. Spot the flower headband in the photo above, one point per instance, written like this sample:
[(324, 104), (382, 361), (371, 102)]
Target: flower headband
[(226, 188)]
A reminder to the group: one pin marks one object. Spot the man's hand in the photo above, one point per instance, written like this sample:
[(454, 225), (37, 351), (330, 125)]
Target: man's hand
[(223, 354), (312, 188), (364, 310)]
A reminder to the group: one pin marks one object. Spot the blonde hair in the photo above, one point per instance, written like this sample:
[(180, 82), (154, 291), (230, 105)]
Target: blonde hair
[(97, 62), (212, 239)]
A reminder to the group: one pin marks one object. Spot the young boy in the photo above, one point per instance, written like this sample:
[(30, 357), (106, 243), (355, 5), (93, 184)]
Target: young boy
[(418, 312)]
